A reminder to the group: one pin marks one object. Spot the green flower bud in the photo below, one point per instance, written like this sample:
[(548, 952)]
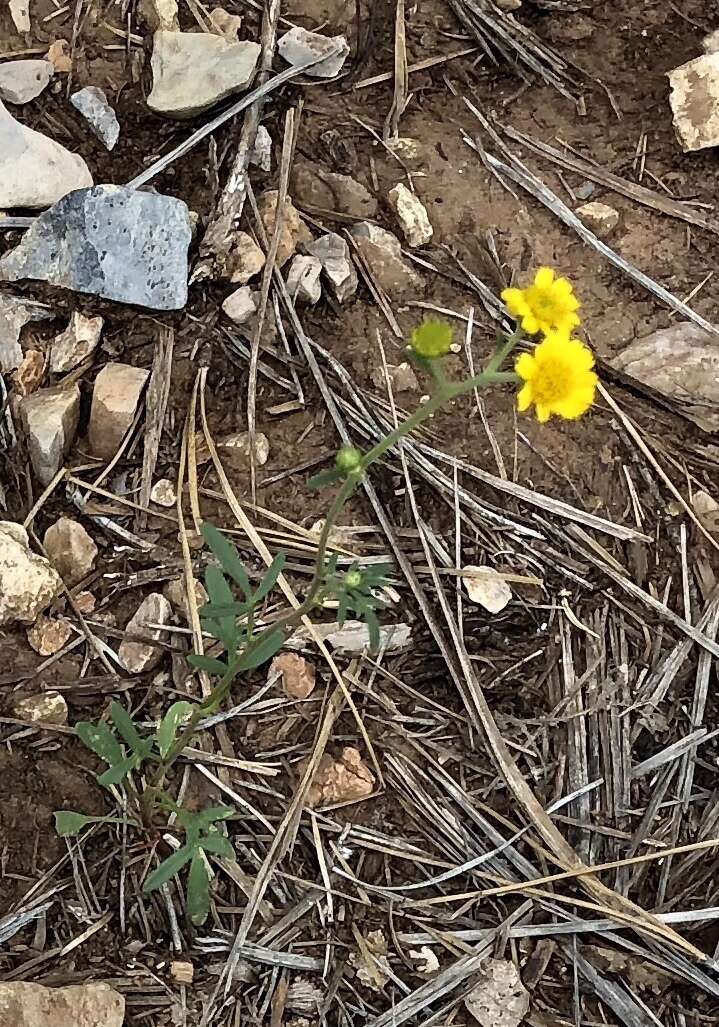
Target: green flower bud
[(348, 459), (353, 579), (432, 339)]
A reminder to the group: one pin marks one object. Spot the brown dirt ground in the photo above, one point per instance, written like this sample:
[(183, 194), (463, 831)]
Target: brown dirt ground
[(630, 45)]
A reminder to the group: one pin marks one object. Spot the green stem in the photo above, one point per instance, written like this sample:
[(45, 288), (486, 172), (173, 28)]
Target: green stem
[(291, 620), (445, 391)]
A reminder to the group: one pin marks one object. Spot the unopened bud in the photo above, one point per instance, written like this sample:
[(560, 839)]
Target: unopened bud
[(432, 339), (353, 579), (348, 459)]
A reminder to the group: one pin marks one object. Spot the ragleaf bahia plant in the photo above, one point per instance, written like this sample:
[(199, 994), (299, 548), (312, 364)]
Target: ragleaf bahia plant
[(554, 374)]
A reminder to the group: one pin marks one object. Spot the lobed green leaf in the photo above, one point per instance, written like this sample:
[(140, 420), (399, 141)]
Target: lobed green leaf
[(198, 890), (100, 739), (267, 648), (227, 554), (68, 824), (177, 714), (168, 868)]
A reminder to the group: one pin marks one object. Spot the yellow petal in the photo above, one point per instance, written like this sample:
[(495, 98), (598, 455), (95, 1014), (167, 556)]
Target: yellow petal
[(525, 366), (524, 397), (530, 324), (544, 277), (569, 408), (543, 413), (585, 359), (563, 287), (515, 301), (566, 323)]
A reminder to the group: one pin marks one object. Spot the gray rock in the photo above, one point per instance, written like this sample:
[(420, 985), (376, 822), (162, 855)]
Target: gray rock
[(28, 583), (383, 253), (682, 364), (334, 253), (109, 241), (303, 279), (15, 313), (35, 171), (92, 103), (50, 419), (192, 71), (261, 155), (22, 81), (353, 637), (24, 1004), (411, 214), (314, 187), (140, 656), (76, 343), (299, 46), (240, 305)]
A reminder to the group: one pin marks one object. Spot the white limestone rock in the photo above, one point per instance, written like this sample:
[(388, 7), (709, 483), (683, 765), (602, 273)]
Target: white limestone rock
[(333, 251), (28, 582), (411, 214), (694, 101), (35, 171), (300, 45), (192, 71), (50, 418), (303, 279), (23, 81), (140, 656)]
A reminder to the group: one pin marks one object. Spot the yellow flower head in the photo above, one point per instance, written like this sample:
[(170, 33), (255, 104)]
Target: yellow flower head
[(558, 378), (547, 305)]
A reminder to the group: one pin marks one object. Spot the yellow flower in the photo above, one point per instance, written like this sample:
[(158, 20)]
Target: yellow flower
[(548, 304), (558, 378)]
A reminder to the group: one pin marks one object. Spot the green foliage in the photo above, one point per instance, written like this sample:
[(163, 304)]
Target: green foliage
[(108, 743), (177, 714), (358, 591), (201, 836), (230, 620), (230, 616), (69, 824)]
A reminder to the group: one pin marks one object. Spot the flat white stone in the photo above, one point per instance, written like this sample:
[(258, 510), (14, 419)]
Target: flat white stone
[(694, 100), (300, 45), (192, 71), (22, 81), (35, 171)]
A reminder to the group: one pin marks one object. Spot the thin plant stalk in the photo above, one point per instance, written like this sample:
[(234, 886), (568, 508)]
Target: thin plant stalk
[(444, 392)]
